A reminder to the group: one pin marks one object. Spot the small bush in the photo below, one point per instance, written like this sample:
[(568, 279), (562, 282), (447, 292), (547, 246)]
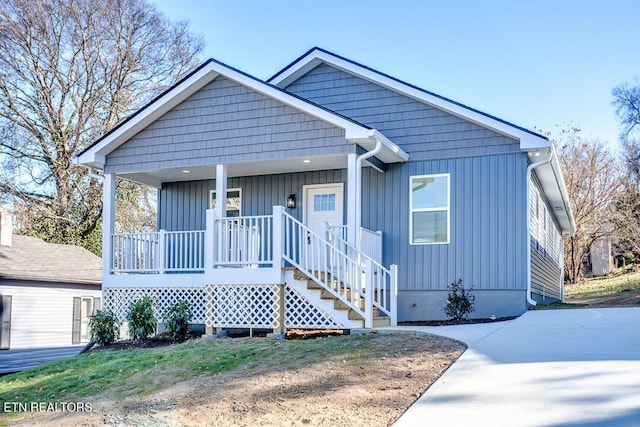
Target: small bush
[(142, 321), (177, 319), (104, 327), (459, 301)]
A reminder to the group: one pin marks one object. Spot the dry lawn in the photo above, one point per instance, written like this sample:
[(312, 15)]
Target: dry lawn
[(372, 386)]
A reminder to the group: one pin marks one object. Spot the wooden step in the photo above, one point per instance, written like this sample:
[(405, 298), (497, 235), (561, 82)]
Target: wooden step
[(354, 315)]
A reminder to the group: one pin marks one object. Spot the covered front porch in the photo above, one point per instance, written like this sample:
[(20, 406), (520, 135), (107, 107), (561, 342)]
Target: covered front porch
[(279, 270)]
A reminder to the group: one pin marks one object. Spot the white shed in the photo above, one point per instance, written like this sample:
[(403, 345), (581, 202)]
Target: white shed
[(47, 291)]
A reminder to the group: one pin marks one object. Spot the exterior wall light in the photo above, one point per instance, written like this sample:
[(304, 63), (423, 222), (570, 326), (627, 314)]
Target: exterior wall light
[(291, 201)]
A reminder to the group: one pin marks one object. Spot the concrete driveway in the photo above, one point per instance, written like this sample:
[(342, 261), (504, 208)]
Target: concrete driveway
[(546, 368)]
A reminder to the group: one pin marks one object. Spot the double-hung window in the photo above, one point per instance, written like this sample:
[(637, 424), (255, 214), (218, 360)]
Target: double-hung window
[(429, 209), (234, 201)]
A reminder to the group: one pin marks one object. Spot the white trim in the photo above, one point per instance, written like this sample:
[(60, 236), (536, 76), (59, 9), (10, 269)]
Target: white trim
[(438, 209), (316, 57)]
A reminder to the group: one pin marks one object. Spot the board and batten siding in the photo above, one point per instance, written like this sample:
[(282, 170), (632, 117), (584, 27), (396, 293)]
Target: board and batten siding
[(225, 122), (422, 131), (42, 313), (487, 248), (546, 273), (182, 205)]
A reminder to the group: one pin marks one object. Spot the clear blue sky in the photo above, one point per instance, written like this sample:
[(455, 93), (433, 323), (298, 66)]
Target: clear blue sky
[(535, 63)]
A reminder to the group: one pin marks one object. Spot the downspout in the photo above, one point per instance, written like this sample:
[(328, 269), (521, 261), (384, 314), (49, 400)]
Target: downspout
[(530, 168), (358, 190)]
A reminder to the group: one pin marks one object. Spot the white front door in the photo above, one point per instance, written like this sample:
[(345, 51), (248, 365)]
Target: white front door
[(323, 204)]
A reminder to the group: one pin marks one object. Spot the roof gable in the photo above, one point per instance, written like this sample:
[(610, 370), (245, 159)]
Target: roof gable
[(528, 140), (95, 155)]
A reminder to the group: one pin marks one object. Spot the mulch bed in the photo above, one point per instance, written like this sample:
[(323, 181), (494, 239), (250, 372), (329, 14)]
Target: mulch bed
[(455, 322), (291, 334)]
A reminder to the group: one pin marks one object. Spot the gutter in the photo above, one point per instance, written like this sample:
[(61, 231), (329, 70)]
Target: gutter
[(358, 190), (530, 168), (556, 168)]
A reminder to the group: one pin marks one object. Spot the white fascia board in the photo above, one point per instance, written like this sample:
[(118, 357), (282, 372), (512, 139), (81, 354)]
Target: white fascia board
[(96, 155), (316, 57)]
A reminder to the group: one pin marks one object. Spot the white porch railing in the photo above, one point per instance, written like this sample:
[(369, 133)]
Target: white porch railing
[(244, 241), (259, 245), (135, 252), (158, 252)]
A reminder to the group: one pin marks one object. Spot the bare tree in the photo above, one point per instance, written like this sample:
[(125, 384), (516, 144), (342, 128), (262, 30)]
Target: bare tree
[(628, 203), (627, 106), (593, 179), (69, 71), (626, 100)]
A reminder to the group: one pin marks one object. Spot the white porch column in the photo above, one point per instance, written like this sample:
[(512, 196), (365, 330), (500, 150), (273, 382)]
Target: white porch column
[(108, 223), (353, 193), (221, 191)]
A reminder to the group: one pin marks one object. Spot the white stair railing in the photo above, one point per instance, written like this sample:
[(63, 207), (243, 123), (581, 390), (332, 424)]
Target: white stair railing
[(379, 283), (348, 274), (325, 264)]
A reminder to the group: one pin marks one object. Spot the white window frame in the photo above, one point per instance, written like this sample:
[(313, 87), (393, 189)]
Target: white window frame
[(436, 209), (239, 190)]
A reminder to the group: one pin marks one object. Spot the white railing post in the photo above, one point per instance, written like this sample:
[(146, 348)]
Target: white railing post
[(278, 236), (161, 252), (210, 243), (393, 295), (368, 294)]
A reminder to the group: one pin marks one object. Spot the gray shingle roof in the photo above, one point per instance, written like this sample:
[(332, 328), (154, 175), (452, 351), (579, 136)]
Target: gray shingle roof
[(30, 258)]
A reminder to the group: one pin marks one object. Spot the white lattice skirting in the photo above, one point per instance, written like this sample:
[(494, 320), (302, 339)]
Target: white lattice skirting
[(258, 306), (228, 306), (118, 300), (243, 306), (300, 313)]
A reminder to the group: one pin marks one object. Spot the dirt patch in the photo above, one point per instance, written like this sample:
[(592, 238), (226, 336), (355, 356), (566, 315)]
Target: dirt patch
[(371, 386), (629, 298)]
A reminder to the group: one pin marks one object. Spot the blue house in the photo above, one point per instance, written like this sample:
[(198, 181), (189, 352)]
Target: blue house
[(352, 199)]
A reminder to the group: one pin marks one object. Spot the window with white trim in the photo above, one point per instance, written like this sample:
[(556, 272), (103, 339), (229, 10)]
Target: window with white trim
[(429, 209), (234, 201)]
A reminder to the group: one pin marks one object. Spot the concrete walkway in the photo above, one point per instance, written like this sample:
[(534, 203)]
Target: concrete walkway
[(546, 368), (19, 360)]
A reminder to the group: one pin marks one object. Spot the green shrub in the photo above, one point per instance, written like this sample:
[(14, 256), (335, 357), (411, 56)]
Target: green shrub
[(177, 319), (459, 301), (142, 321), (104, 327)]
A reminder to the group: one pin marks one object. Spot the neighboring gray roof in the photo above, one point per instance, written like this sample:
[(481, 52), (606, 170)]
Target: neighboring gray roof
[(30, 258)]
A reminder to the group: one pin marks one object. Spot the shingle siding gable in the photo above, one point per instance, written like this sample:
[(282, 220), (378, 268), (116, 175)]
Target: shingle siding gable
[(226, 122), (423, 131)]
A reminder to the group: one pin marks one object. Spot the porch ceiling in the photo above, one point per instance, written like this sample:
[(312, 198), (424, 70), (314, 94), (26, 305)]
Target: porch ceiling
[(155, 178)]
